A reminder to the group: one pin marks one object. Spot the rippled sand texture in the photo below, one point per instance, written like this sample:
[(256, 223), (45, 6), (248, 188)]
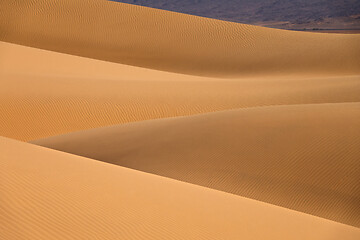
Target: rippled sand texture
[(160, 125), (171, 41), (303, 157), (46, 93), (53, 195)]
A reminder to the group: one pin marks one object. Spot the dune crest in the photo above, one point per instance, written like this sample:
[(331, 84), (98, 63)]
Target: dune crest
[(253, 132), (303, 157), (174, 42), (46, 194), (44, 93)]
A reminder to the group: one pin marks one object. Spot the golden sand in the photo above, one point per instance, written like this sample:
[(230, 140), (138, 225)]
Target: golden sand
[(171, 41), (45, 93), (46, 194), (232, 113), (303, 157)]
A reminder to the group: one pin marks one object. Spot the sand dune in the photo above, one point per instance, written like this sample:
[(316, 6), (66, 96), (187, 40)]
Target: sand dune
[(52, 195), (45, 93), (171, 41), (303, 157), (264, 114)]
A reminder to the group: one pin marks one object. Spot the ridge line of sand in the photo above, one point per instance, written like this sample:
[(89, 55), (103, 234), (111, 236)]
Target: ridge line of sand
[(183, 182), (174, 42), (303, 157), (72, 188), (202, 114), (59, 93)]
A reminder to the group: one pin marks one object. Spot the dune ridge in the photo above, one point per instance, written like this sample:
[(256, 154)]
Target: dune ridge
[(169, 41), (303, 157), (48, 194), (45, 93), (224, 113)]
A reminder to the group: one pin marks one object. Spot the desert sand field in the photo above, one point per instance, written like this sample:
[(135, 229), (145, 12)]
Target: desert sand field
[(48, 194), (125, 122), (303, 157), (46, 93), (171, 41)]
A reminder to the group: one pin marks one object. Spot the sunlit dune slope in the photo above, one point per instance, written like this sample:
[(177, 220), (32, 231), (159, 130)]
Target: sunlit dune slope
[(303, 157), (171, 41), (47, 194), (45, 93)]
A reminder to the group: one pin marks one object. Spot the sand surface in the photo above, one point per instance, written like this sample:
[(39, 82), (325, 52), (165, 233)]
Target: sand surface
[(48, 194), (303, 157), (171, 41), (234, 131), (45, 93)]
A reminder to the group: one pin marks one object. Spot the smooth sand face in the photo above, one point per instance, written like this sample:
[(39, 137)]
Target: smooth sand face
[(303, 157), (170, 41), (47, 194), (44, 93)]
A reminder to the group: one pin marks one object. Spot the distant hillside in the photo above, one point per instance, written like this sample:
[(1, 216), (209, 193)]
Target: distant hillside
[(287, 14)]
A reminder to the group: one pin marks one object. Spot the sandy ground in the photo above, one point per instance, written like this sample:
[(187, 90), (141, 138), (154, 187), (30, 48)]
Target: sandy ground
[(253, 131), (170, 41), (45, 93), (303, 157), (48, 194)]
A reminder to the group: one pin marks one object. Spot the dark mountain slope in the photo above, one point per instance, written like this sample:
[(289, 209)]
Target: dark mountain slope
[(287, 14)]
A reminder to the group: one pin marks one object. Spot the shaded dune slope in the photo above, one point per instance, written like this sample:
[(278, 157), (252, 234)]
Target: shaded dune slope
[(171, 41), (47, 194), (303, 157), (45, 93)]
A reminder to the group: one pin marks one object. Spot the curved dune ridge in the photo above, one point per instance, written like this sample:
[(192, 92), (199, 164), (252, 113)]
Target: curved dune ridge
[(303, 157), (52, 195), (225, 113), (171, 41), (45, 93)]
